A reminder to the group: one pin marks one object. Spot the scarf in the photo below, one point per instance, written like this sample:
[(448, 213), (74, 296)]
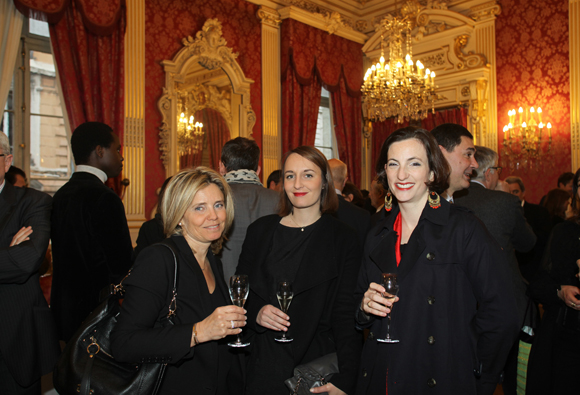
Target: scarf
[(243, 176)]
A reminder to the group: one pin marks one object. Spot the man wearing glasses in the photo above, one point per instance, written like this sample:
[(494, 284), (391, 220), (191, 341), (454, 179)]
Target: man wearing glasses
[(503, 217)]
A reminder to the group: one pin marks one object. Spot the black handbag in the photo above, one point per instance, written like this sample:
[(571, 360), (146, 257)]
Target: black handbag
[(312, 374), (87, 366)]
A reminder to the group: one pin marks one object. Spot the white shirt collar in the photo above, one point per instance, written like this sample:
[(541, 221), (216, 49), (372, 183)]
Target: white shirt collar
[(523, 202), (338, 191), (93, 170), (478, 183), (2, 186)]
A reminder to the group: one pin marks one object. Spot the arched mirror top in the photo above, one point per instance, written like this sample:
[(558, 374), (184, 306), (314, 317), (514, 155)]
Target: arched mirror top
[(203, 74)]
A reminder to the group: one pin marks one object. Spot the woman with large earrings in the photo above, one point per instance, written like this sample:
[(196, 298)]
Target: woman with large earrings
[(303, 245), (453, 321)]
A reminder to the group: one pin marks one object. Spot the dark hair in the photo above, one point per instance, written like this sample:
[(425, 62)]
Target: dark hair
[(448, 135), (87, 136), (241, 153), (328, 199), (575, 200), (556, 202), (357, 197), (162, 193), (14, 171), (516, 180), (275, 176), (437, 162), (565, 178)]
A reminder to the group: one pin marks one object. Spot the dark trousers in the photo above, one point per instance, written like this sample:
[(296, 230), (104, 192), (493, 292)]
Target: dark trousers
[(510, 371), (9, 386), (566, 361)]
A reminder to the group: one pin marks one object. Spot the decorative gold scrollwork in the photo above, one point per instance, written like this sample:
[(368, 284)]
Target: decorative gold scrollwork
[(469, 60)]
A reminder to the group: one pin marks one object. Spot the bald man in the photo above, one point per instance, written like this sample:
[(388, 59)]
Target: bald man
[(355, 217)]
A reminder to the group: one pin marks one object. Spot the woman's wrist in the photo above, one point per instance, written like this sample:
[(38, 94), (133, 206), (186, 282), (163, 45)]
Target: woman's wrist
[(194, 338)]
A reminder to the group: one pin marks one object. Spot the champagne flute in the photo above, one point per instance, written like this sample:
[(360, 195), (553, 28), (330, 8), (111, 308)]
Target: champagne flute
[(389, 282), (239, 290), (284, 295)]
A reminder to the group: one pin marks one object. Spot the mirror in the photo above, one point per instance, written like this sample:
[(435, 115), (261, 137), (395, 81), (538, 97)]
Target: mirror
[(203, 82)]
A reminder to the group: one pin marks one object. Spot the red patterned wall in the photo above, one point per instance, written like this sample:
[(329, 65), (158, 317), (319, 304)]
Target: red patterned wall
[(533, 70), (166, 23)]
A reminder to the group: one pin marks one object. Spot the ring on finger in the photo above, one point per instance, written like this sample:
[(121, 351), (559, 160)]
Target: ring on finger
[(572, 304), (232, 324), (369, 303)]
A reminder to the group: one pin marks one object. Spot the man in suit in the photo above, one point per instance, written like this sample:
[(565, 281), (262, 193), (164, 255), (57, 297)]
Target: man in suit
[(28, 343), (539, 219), (91, 244), (456, 144), (355, 217), (503, 217), (240, 166)]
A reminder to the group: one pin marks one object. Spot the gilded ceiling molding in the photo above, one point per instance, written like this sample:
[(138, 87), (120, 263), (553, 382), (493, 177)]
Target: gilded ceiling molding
[(269, 17), (469, 60), (485, 11)]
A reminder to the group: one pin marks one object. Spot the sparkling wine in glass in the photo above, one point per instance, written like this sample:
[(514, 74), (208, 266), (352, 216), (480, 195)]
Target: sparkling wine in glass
[(239, 290), (389, 282), (284, 295)]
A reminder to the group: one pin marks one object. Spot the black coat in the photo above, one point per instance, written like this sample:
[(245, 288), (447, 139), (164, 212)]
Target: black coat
[(91, 248), (151, 232), (450, 265), (191, 370), (322, 306), (28, 341), (355, 217)]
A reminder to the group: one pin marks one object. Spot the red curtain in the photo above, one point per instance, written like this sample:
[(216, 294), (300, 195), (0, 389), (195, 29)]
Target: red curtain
[(347, 117), (218, 135), (331, 62), (88, 42), (300, 104), (382, 130)]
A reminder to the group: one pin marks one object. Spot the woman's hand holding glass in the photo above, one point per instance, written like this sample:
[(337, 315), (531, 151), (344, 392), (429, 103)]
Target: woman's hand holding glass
[(374, 303), (224, 321), (273, 318)]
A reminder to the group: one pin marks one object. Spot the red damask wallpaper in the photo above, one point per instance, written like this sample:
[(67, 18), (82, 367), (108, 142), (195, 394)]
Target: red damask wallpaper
[(166, 23), (533, 70)]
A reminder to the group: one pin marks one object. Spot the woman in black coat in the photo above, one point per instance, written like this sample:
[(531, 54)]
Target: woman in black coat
[(555, 355), (197, 210), (320, 256), (455, 314)]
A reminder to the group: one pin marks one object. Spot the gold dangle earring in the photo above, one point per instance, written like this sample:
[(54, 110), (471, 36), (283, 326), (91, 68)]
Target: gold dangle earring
[(388, 201), (434, 200)]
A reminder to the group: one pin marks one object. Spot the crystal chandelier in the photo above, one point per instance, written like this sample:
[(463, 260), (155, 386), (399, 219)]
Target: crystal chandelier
[(526, 140), (399, 88), (189, 134)]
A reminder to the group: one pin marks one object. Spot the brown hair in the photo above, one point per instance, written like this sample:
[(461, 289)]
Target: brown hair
[(556, 202), (437, 162), (328, 199)]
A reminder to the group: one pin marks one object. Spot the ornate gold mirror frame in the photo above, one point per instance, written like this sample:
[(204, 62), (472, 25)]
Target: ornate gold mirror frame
[(209, 49)]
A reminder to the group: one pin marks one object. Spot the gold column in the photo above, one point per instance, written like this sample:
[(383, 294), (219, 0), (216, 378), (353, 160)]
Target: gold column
[(134, 137), (485, 44), (271, 91), (367, 145), (574, 34)]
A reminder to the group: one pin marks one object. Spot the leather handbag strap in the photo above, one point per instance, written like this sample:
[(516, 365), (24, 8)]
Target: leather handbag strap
[(173, 303)]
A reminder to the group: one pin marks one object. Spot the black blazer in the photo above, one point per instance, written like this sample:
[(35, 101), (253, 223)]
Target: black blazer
[(502, 215), (456, 310), (151, 232), (322, 306), (192, 370), (91, 248), (355, 217), (28, 341)]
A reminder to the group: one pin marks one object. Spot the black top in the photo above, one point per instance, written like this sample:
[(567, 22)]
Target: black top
[(288, 249), (217, 299)]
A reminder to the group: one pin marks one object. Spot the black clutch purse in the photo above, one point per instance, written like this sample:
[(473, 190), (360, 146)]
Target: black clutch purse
[(312, 374), (87, 366)]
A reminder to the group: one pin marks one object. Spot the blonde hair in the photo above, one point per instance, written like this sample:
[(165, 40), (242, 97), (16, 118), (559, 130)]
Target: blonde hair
[(181, 191)]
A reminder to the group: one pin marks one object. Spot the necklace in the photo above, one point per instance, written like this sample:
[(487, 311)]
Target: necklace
[(301, 226)]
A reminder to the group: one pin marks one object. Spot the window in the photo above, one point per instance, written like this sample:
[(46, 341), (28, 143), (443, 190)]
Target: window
[(34, 117), (325, 139)]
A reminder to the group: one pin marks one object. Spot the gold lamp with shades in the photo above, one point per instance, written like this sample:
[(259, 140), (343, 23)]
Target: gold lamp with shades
[(526, 138)]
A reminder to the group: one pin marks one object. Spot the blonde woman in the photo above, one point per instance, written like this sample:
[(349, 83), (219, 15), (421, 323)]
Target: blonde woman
[(197, 210)]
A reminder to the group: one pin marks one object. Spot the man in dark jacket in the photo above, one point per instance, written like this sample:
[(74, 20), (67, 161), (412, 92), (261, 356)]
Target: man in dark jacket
[(355, 217), (28, 343), (91, 243)]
